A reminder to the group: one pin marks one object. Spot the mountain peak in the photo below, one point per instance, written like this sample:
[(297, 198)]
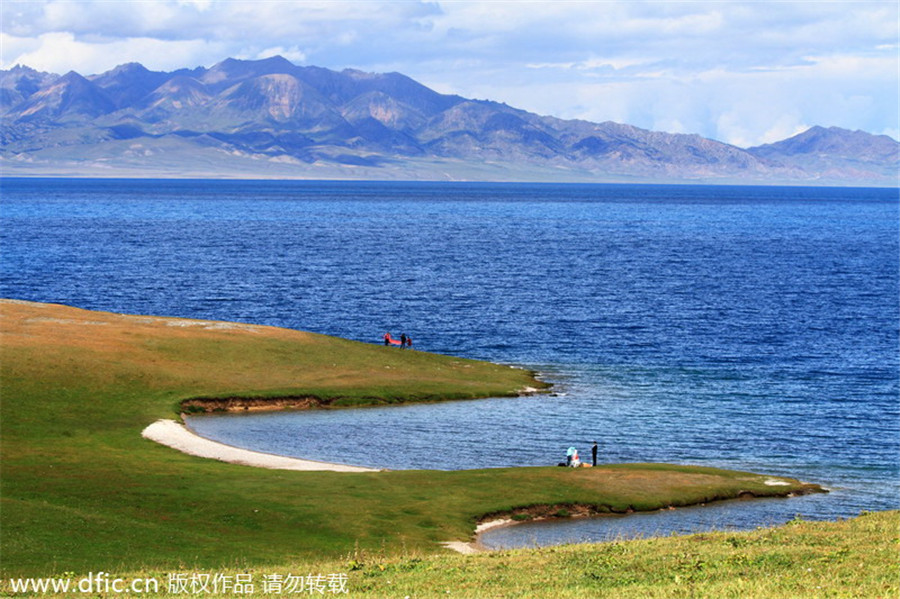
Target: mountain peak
[(262, 66), (820, 132), (19, 83), (129, 83), (822, 147), (129, 68), (20, 69), (818, 138), (73, 78), (233, 70), (277, 60), (67, 98)]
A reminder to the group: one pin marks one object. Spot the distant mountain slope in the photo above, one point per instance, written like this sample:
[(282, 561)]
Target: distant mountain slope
[(129, 83), (833, 142), (835, 152), (69, 98), (271, 118), (19, 84)]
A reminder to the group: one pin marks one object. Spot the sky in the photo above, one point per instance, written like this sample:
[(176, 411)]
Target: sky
[(745, 73)]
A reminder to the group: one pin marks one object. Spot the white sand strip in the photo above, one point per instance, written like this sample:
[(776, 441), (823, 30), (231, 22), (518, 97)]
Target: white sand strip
[(476, 546), (493, 524), (464, 548), (176, 436)]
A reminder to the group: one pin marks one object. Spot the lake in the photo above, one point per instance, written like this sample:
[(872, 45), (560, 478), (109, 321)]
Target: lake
[(749, 328)]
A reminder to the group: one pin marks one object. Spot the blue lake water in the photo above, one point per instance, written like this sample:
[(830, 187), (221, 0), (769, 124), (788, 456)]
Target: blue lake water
[(744, 327)]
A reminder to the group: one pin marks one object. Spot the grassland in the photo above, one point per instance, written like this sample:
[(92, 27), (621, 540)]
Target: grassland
[(83, 492), (854, 559)]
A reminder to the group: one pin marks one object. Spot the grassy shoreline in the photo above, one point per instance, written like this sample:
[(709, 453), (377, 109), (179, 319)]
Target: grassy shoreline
[(855, 559), (82, 491)]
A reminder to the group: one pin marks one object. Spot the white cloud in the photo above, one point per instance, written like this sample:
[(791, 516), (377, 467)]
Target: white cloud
[(201, 5), (294, 54), (62, 52)]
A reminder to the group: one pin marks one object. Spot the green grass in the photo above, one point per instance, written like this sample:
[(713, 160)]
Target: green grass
[(856, 558), (82, 491)]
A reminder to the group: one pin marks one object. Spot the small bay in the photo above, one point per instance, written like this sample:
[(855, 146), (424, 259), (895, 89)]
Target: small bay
[(749, 328)]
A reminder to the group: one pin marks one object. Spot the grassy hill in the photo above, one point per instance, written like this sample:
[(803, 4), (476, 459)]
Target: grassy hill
[(83, 492)]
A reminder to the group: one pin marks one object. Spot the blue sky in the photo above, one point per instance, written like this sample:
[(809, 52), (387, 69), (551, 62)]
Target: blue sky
[(741, 72)]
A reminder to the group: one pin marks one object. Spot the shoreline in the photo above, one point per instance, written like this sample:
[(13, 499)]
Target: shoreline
[(237, 404), (106, 371), (550, 513), (177, 436), (180, 437)]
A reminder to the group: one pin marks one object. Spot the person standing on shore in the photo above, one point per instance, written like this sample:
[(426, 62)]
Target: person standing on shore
[(387, 338), (402, 340), (594, 454)]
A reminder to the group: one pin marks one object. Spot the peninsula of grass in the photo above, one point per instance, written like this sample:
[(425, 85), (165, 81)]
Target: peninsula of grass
[(82, 491)]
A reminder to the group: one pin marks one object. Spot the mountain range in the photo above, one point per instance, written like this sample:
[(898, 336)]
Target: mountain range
[(273, 119)]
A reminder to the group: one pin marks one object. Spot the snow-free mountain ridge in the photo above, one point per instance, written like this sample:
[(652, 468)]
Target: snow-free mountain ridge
[(271, 118)]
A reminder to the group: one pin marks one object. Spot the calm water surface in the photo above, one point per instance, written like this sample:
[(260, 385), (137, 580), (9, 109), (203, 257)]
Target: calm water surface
[(747, 328)]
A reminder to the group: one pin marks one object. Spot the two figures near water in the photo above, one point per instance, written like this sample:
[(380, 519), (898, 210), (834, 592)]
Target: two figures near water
[(405, 342), (573, 461)]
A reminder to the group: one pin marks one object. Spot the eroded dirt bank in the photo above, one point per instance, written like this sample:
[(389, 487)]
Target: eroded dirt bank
[(249, 404)]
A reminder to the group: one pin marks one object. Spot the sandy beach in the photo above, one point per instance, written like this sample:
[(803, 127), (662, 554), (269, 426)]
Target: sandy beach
[(177, 436)]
